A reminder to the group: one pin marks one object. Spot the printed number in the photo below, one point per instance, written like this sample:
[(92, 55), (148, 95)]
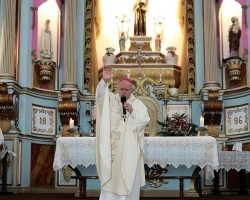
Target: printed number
[(238, 120), (42, 120)]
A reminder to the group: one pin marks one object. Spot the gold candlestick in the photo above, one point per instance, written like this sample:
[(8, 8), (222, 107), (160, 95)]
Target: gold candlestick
[(202, 131)]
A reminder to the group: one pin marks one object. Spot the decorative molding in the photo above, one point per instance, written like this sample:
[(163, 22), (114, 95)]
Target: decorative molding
[(154, 113), (88, 44), (191, 44)]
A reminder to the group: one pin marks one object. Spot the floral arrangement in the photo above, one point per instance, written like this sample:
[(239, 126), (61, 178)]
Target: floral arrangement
[(177, 125)]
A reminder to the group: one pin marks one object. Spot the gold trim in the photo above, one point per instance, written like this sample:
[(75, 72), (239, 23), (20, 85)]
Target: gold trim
[(191, 44), (88, 44)]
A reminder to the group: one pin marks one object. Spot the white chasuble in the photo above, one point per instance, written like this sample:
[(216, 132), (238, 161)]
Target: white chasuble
[(120, 146)]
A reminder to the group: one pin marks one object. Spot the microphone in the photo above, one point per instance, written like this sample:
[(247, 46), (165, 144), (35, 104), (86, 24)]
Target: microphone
[(123, 100)]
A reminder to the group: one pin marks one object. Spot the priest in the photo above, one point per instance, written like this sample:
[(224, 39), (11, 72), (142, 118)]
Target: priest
[(120, 123)]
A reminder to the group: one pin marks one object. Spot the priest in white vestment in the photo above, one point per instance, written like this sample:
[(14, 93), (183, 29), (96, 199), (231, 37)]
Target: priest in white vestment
[(119, 140)]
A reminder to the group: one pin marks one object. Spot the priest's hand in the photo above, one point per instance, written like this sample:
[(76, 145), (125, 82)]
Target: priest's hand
[(107, 73), (128, 107)]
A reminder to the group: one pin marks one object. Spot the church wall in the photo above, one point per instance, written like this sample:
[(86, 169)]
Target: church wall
[(199, 46), (79, 44), (25, 60), (32, 144)]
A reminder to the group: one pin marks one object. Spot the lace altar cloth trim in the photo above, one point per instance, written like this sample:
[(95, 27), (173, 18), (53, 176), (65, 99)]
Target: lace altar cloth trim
[(234, 160), (188, 151)]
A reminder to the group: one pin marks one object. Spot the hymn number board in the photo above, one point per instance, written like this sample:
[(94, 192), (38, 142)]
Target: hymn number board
[(43, 120), (237, 120)]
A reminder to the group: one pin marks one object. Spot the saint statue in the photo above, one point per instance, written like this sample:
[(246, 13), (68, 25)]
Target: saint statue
[(140, 10), (46, 41), (123, 25), (122, 42), (234, 35), (158, 42), (158, 29)]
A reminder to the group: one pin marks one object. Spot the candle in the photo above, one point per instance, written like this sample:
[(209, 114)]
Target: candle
[(201, 121), (71, 123)]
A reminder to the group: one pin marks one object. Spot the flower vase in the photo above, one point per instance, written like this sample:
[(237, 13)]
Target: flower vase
[(109, 57), (171, 57)]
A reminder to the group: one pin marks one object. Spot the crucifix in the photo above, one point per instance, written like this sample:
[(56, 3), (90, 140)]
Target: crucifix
[(139, 59)]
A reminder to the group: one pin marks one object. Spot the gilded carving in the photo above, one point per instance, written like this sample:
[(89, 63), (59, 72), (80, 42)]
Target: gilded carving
[(153, 110), (191, 44), (88, 43), (67, 173)]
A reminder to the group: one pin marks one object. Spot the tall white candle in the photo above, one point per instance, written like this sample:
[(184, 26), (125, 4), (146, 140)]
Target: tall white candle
[(201, 121), (71, 123)]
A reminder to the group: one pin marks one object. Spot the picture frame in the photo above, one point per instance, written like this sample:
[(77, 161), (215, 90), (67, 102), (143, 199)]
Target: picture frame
[(171, 109), (236, 120), (43, 120)]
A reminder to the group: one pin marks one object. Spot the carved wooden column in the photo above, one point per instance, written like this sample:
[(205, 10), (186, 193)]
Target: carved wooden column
[(69, 109), (9, 108), (8, 40), (210, 45), (212, 109), (70, 46)]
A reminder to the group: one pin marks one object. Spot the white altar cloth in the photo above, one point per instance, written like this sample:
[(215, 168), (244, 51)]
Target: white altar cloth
[(234, 160), (200, 151)]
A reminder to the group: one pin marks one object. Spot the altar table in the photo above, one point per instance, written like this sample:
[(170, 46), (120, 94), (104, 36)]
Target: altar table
[(200, 151), (237, 160), (194, 150)]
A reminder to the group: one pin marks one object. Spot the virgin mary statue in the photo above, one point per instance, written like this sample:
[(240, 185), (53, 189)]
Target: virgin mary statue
[(46, 41)]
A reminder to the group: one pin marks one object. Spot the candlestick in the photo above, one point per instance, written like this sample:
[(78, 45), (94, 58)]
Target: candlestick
[(71, 123), (92, 110), (189, 92), (201, 121), (93, 92)]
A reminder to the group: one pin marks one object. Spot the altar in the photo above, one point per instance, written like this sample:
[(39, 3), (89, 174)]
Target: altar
[(176, 151)]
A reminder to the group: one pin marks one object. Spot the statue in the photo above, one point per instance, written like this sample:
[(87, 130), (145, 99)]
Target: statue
[(123, 25), (158, 42), (158, 29), (140, 9), (46, 41), (122, 42), (234, 35)]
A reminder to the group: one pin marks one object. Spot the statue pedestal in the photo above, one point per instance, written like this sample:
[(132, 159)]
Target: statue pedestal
[(144, 41)]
